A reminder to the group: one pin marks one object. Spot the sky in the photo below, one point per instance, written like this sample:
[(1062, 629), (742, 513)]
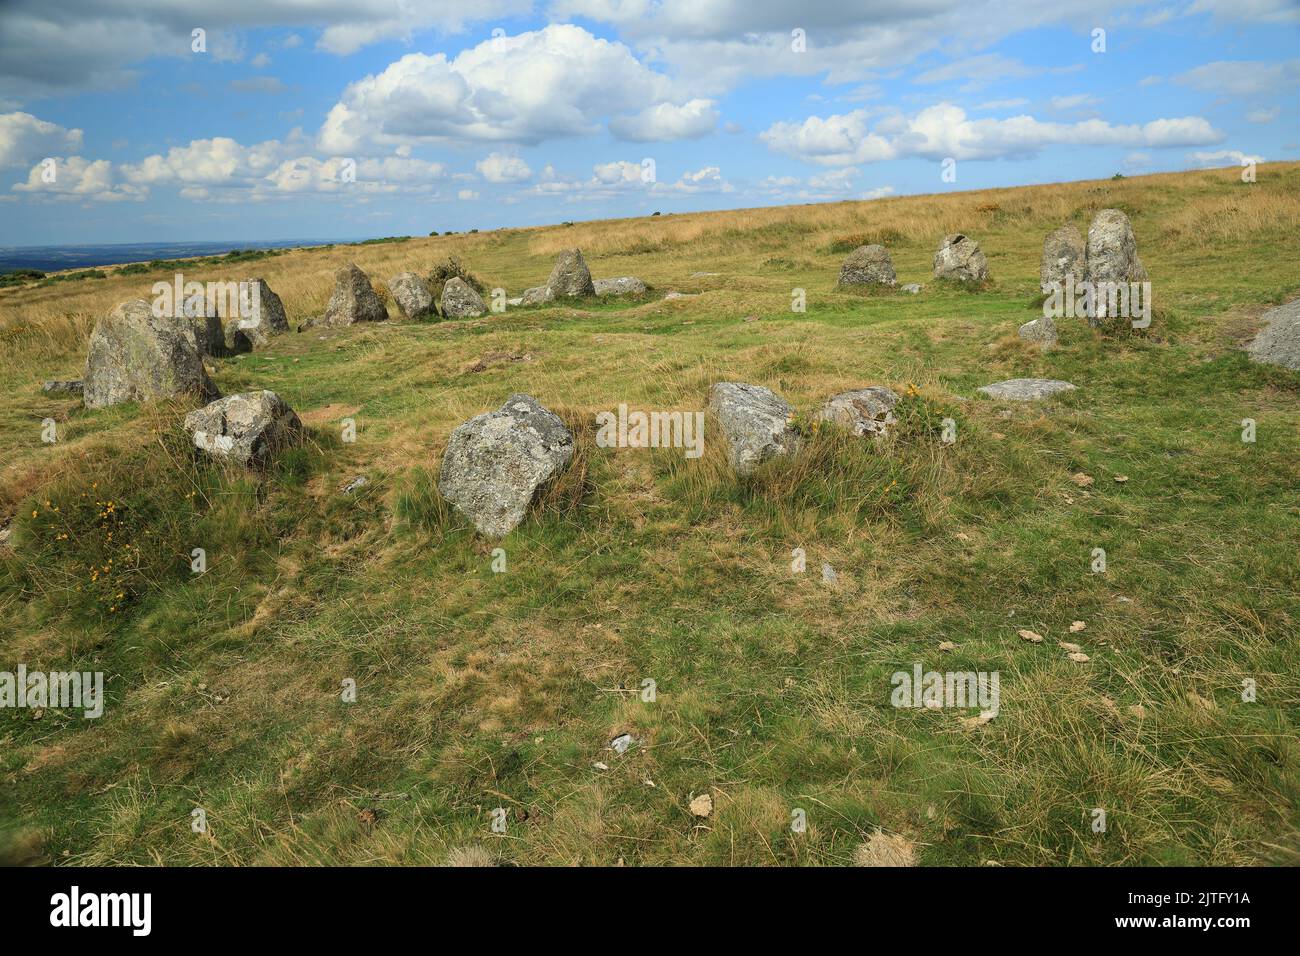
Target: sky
[(173, 120)]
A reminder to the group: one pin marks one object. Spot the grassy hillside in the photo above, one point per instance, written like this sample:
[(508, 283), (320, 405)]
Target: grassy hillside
[(479, 690)]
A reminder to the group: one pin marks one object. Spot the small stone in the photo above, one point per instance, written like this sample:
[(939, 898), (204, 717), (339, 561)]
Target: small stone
[(623, 285), (73, 386), (246, 429), (702, 806), (460, 301), (1041, 332), (867, 411), (868, 265)]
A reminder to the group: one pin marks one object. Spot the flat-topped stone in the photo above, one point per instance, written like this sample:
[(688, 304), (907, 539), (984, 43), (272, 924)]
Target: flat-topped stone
[(1026, 389)]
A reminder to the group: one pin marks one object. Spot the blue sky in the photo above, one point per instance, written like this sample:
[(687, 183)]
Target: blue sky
[(362, 118)]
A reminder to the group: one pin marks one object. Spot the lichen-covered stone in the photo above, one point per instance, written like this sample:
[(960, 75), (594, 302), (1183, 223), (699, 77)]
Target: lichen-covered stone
[(136, 356), (496, 462), (247, 429)]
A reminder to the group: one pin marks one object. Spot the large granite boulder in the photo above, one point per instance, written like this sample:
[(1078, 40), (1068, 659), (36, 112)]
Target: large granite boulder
[(136, 356), (1025, 389), (959, 258), (261, 315), (247, 429), (354, 299), (570, 277), (1063, 257), (412, 295), (1279, 341), (496, 462), (867, 411), (460, 301), (623, 285), (868, 265), (756, 423)]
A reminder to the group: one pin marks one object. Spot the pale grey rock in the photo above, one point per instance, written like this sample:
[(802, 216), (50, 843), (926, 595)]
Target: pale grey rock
[(135, 356), (1278, 343), (868, 265), (357, 483), (412, 295), (73, 386), (668, 297), (496, 462), (247, 429), (261, 316), (1063, 257), (1111, 254), (623, 285), (1040, 331), (1025, 389), (959, 258), (911, 289), (867, 411), (571, 278), (756, 423), (1111, 257), (537, 295), (460, 301), (354, 299)]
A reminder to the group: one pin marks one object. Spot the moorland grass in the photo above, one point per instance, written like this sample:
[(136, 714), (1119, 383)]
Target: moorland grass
[(479, 690)]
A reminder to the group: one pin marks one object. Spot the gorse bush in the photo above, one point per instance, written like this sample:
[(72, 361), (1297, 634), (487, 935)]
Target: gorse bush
[(450, 268)]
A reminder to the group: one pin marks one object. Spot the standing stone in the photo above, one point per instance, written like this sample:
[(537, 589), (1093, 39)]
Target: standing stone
[(867, 411), (354, 299), (623, 285), (959, 258), (756, 423), (571, 277), (261, 315), (246, 429), (1041, 331), (1063, 256), (868, 265), (460, 301), (1279, 342), (1112, 250), (496, 462), (1111, 259), (412, 295), (134, 356), (1025, 389)]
